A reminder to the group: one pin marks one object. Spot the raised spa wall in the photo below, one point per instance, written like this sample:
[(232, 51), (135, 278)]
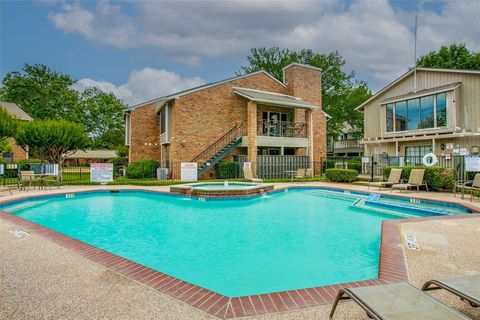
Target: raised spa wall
[(187, 190)]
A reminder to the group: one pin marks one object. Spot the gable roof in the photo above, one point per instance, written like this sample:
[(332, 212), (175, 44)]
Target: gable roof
[(407, 74), (273, 98), (202, 87), (14, 110)]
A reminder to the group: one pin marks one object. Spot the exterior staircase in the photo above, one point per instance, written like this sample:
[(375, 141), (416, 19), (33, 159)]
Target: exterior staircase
[(219, 149)]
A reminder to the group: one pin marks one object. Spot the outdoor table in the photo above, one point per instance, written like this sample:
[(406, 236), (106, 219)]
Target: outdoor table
[(40, 177)]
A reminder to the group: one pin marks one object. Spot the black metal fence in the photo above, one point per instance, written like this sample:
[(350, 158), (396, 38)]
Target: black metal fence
[(266, 167)]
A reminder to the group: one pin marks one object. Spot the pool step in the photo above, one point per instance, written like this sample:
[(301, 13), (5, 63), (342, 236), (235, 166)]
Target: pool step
[(24, 205), (337, 194)]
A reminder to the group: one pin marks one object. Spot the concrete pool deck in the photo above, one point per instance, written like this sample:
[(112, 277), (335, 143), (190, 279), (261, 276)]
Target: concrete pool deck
[(42, 280)]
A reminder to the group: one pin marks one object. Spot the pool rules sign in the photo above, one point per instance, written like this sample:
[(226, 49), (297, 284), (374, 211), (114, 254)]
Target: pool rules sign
[(101, 172), (188, 171)]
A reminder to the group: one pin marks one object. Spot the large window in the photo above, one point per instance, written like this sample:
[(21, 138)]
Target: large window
[(414, 155), (427, 113), (390, 117), (401, 116), (441, 109), (413, 112), (419, 113)]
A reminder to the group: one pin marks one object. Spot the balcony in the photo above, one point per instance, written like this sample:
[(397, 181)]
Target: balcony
[(347, 144), (284, 129)]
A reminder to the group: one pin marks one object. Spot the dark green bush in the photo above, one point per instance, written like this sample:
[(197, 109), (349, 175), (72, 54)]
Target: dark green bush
[(437, 178), (354, 165), (328, 164), (25, 164), (226, 170), (341, 175), (142, 169)]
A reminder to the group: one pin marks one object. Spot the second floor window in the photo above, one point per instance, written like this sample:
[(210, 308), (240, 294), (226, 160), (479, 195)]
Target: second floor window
[(418, 113)]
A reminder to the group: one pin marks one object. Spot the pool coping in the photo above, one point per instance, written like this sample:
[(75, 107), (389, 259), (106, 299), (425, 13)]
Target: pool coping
[(392, 268)]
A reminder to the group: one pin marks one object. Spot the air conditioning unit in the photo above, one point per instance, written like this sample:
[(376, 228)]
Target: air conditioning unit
[(162, 173)]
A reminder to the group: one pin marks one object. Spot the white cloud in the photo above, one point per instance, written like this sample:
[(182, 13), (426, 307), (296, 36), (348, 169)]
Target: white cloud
[(375, 38), (143, 85)]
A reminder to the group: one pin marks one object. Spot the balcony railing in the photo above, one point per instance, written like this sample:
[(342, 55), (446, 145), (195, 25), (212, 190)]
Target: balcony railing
[(346, 144), (282, 129)]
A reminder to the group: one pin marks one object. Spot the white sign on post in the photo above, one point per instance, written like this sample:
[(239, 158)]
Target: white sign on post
[(472, 163), (2, 169), (247, 165), (101, 172), (188, 171), (365, 159)]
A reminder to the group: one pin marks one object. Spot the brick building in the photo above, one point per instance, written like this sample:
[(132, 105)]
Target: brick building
[(17, 153), (253, 114)]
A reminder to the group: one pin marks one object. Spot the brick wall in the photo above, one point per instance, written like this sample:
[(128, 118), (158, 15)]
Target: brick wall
[(18, 152), (202, 117), (145, 134), (306, 83)]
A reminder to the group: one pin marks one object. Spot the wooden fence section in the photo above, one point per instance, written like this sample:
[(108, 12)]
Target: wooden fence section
[(275, 167)]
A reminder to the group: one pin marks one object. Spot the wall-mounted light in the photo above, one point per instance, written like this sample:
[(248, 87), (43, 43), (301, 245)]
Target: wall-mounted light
[(442, 146)]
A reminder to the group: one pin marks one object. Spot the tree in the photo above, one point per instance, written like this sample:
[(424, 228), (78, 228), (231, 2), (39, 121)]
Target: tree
[(8, 126), (46, 94), (40, 92), (456, 56), (101, 114), (339, 88), (52, 140)]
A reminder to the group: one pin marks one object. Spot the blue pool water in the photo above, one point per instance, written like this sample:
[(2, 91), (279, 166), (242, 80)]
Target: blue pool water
[(287, 240)]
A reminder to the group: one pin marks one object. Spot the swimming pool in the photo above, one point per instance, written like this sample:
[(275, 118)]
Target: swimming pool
[(301, 238)]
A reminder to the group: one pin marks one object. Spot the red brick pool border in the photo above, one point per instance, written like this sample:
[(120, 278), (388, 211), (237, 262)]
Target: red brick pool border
[(392, 268)]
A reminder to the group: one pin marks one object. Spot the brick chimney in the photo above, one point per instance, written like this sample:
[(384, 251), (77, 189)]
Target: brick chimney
[(305, 82)]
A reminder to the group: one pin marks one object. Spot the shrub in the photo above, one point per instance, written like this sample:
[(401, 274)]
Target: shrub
[(341, 175), (25, 164), (142, 169), (226, 170), (354, 165), (328, 164), (437, 178)]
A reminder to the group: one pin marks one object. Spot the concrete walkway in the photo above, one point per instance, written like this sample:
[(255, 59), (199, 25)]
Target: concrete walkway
[(42, 280)]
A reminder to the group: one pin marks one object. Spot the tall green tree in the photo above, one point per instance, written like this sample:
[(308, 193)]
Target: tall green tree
[(101, 114), (8, 126), (46, 94), (339, 89), (52, 140), (455, 56), (40, 92)]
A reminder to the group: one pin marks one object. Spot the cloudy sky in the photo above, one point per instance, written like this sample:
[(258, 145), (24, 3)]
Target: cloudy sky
[(144, 49)]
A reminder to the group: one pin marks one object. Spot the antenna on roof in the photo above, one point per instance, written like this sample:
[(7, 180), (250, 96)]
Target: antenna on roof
[(415, 59)]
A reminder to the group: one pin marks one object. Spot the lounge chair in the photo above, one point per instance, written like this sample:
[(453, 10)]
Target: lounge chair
[(300, 174), (248, 175), (394, 178), (415, 180), (397, 301), (467, 288)]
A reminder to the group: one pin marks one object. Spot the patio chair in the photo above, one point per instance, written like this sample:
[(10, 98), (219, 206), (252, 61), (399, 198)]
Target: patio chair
[(300, 174), (475, 186), (27, 178), (394, 177), (467, 288), (309, 173), (415, 180), (248, 175), (397, 301)]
